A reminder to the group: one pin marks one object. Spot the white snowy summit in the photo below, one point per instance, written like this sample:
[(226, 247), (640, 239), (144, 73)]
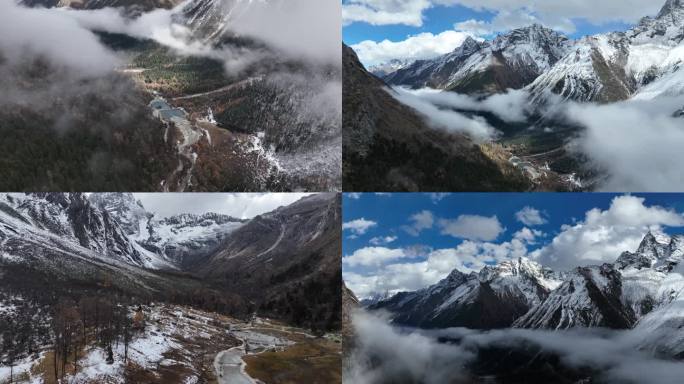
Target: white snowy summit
[(492, 298), (643, 62)]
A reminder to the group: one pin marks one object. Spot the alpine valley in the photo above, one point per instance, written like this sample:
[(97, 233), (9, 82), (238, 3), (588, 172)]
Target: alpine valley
[(552, 81), (95, 288), (167, 95), (519, 322)]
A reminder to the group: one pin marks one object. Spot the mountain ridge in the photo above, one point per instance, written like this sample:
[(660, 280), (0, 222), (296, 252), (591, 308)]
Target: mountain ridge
[(605, 67), (641, 290)]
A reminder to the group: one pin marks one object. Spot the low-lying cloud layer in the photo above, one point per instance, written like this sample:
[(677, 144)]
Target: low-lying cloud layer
[(62, 40), (385, 354), (438, 108), (636, 144)]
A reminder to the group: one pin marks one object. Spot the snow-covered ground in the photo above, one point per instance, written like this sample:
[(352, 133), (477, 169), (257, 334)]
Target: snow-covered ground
[(169, 343)]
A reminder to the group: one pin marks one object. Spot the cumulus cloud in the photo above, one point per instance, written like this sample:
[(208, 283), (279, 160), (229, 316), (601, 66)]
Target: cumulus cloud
[(359, 226), (385, 353), (508, 14), (379, 240), (505, 20), (530, 216), (472, 227), (52, 35), (374, 256), (600, 237), (419, 222), (416, 47), (428, 266), (604, 234), (383, 12), (445, 118)]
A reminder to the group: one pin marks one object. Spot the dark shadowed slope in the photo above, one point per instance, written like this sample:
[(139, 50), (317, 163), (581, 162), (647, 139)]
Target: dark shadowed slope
[(388, 147)]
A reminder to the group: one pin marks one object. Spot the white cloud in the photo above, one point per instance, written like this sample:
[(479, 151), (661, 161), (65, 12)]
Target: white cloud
[(383, 12), (512, 106), (530, 216), (353, 195), (638, 143), (472, 227), (401, 354), (604, 234), (375, 256), (416, 47), (446, 119), (240, 205), (601, 237), (419, 222), (437, 197), (436, 264), (508, 13), (52, 34), (379, 240), (300, 28), (359, 226)]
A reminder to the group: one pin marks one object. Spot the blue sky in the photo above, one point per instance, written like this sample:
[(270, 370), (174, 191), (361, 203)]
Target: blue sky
[(616, 223), (442, 18), (374, 21)]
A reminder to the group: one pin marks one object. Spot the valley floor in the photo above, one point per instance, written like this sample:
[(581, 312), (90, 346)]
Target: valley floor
[(184, 345)]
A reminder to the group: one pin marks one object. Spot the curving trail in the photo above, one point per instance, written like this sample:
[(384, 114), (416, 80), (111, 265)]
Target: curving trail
[(230, 369), (277, 242)]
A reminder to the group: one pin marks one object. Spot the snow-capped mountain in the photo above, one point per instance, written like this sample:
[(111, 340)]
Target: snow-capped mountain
[(178, 240), (115, 226), (385, 69), (588, 297), (183, 239), (492, 298), (69, 221), (643, 290), (643, 62), (512, 60), (285, 263), (129, 212)]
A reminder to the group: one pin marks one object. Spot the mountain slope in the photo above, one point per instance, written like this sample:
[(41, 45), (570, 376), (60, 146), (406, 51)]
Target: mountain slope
[(389, 147), (512, 60), (286, 261), (643, 61), (494, 298), (588, 297), (284, 264)]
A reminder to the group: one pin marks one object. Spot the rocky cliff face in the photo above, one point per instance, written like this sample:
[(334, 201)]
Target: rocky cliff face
[(493, 298)]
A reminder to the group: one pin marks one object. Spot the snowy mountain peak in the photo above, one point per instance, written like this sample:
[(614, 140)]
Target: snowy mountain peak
[(532, 34), (656, 250), (389, 67), (124, 207), (673, 9), (185, 219)]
